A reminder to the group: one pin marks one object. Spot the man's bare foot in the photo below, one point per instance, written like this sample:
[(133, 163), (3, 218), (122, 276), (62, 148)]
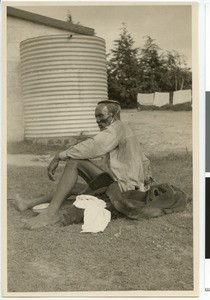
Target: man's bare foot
[(43, 219), (20, 203)]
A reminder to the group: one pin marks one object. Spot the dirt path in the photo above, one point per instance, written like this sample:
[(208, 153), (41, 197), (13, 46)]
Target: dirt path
[(23, 160)]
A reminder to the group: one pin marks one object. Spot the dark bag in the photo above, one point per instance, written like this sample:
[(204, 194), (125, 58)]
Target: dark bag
[(158, 200)]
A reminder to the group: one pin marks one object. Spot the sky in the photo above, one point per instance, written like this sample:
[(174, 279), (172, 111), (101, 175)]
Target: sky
[(169, 25)]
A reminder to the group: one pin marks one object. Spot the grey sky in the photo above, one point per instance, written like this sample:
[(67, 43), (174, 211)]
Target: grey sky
[(169, 25)]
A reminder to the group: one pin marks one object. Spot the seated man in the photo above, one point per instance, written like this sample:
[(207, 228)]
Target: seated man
[(122, 156)]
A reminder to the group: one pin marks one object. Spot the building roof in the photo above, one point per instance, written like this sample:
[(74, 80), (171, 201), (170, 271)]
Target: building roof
[(32, 17)]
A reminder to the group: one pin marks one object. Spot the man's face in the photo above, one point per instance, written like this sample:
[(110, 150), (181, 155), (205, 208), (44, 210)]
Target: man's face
[(103, 117)]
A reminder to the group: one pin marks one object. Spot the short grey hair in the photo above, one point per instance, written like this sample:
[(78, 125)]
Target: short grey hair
[(113, 109), (112, 106)]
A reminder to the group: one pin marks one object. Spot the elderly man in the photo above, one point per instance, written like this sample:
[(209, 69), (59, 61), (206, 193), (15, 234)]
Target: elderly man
[(122, 159)]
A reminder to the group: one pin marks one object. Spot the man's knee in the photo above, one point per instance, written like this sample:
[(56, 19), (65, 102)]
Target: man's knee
[(73, 163), (81, 166)]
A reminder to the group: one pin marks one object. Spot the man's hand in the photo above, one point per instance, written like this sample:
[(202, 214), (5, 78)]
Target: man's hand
[(52, 167)]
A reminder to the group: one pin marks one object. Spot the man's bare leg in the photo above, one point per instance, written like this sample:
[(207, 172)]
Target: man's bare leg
[(22, 204), (64, 189)]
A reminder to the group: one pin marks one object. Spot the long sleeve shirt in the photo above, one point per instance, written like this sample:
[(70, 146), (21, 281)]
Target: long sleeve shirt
[(123, 156)]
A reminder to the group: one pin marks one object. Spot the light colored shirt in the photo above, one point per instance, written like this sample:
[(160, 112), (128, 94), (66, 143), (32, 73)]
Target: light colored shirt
[(121, 152)]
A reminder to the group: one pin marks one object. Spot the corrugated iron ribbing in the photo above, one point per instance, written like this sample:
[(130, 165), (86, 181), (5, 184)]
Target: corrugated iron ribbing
[(63, 77)]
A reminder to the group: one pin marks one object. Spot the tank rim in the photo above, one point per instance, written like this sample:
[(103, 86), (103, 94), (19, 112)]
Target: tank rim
[(62, 35)]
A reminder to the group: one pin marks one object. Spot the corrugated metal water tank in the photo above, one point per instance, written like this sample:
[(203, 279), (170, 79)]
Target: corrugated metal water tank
[(63, 77)]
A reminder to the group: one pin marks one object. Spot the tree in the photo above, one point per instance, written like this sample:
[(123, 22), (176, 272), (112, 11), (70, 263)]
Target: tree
[(178, 71), (176, 75), (123, 70), (150, 66), (146, 70), (162, 71)]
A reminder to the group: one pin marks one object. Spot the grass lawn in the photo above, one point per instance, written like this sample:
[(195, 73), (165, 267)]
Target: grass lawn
[(145, 255), (155, 254)]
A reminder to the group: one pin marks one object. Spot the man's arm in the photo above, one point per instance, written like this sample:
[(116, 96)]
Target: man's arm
[(104, 142)]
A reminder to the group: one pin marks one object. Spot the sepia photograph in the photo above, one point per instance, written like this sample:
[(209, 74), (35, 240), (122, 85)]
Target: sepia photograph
[(101, 116)]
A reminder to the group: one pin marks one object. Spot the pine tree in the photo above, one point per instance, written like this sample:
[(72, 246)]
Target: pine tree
[(150, 66), (146, 70), (123, 70)]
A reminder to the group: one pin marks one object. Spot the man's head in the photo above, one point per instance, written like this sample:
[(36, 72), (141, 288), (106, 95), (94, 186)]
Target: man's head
[(107, 112)]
